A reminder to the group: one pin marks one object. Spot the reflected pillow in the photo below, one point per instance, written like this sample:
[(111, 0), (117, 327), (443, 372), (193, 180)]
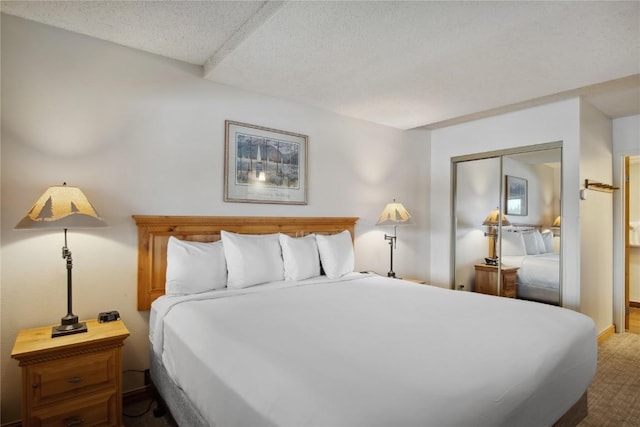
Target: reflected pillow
[(547, 239), (530, 242), (300, 256), (539, 242), (512, 244), (194, 267), (252, 259), (336, 254)]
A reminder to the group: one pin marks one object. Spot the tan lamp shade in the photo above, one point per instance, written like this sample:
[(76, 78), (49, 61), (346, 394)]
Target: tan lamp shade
[(556, 222), (62, 206), (493, 219), (394, 214)]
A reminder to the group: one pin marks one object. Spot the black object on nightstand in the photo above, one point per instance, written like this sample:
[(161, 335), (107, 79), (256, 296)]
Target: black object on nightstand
[(108, 316)]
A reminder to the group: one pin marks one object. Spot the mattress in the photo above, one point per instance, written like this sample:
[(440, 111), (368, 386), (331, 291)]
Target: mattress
[(372, 351)]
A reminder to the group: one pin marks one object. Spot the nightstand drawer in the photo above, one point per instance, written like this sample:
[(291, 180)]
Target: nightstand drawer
[(95, 410), (60, 379)]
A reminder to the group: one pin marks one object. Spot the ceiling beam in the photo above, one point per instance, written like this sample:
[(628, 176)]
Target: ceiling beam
[(268, 9)]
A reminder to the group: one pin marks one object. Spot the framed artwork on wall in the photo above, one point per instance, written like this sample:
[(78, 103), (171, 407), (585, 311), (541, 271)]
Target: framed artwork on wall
[(516, 196), (264, 165)]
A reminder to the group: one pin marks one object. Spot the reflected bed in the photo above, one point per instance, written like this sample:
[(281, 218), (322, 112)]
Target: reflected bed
[(538, 262)]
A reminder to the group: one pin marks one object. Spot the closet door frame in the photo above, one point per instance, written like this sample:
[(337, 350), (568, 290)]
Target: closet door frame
[(453, 202)]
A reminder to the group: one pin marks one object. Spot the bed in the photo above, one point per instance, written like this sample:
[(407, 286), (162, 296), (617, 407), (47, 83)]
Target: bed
[(350, 349), (538, 262)]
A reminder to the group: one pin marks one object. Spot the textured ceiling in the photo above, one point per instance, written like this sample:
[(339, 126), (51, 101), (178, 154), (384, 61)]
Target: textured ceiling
[(401, 64)]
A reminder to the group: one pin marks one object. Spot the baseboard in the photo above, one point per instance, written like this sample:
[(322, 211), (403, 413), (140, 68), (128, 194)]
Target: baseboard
[(136, 395), (128, 397), (607, 333), (635, 304)]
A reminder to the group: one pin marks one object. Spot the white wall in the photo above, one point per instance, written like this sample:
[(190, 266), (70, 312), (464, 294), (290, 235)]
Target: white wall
[(142, 134), (626, 142), (596, 218), (550, 123)]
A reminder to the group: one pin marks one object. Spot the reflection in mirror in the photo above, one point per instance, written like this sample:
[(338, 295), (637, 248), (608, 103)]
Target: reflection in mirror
[(532, 242), (477, 194), (524, 243)]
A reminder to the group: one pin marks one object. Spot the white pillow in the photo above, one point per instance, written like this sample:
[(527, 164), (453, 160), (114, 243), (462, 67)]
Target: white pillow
[(512, 244), (530, 242), (547, 239), (252, 259), (194, 267), (300, 256), (539, 242), (336, 254)]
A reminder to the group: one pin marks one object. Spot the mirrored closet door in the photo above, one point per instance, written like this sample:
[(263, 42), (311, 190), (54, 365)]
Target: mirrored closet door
[(506, 223)]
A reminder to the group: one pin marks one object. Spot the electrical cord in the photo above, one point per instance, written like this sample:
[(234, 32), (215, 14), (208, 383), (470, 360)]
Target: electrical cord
[(141, 414), (151, 401)]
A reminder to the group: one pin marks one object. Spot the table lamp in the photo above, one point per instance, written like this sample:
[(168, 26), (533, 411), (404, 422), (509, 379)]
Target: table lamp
[(393, 214), (63, 207), (494, 220)]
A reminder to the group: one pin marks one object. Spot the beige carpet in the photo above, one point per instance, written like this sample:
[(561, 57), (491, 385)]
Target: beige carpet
[(614, 395)]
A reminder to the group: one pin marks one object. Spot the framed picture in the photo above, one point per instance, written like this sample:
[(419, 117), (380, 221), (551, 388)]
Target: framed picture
[(264, 165), (516, 196)]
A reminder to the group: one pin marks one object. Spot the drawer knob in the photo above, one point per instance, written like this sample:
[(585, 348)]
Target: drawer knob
[(74, 421), (75, 380)]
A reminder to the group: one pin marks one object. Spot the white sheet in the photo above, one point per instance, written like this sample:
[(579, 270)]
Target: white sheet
[(541, 270), (373, 352)]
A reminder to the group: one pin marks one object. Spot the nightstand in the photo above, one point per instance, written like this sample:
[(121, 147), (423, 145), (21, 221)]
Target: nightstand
[(72, 380), (487, 280)]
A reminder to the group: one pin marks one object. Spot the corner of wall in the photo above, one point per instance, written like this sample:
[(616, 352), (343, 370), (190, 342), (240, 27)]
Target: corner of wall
[(596, 217)]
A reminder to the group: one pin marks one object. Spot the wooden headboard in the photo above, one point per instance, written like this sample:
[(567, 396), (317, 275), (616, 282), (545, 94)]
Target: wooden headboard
[(154, 232)]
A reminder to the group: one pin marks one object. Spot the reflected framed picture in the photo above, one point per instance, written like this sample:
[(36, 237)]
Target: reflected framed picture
[(264, 165), (516, 196)]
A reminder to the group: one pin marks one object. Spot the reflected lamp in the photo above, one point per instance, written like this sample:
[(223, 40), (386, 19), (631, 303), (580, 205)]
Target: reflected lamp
[(393, 214), (493, 221), (63, 207), (555, 227)]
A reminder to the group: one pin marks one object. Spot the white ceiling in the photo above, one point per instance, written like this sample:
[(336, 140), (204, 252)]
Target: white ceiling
[(398, 63)]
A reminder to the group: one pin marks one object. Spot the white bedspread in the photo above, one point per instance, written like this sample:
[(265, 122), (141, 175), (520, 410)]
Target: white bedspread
[(372, 351), (540, 270)]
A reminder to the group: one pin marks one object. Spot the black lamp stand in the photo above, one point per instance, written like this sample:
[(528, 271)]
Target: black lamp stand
[(69, 324), (392, 246)]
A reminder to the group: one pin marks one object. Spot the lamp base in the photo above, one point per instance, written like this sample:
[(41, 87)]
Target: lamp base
[(391, 274), (69, 325)]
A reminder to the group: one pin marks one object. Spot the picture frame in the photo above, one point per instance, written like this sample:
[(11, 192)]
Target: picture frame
[(264, 165), (516, 196)]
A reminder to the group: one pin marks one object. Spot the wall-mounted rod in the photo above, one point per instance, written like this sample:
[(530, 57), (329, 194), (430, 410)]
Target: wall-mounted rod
[(598, 186)]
